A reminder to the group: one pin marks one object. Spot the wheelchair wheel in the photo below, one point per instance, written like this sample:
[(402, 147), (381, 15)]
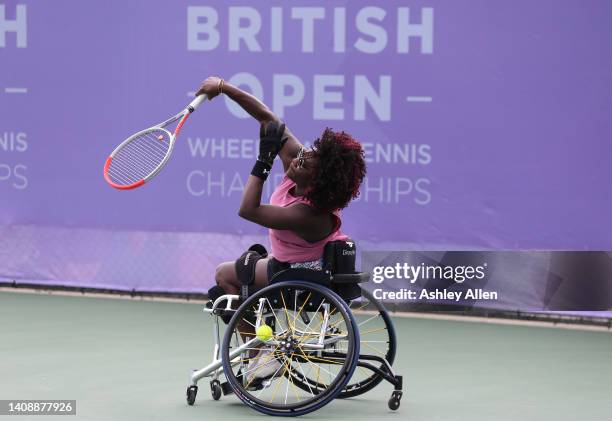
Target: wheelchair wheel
[(309, 323), (377, 342), (377, 339)]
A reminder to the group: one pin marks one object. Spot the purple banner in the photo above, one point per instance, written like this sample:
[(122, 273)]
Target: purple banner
[(485, 125)]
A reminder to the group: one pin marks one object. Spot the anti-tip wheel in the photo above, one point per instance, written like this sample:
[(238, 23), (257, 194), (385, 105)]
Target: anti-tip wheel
[(394, 401), (215, 390), (192, 391)]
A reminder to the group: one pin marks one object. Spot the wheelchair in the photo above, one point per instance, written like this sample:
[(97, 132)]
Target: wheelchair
[(328, 338)]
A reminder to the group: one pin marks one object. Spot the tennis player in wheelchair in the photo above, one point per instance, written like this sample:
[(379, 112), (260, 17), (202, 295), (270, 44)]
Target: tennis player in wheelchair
[(292, 342)]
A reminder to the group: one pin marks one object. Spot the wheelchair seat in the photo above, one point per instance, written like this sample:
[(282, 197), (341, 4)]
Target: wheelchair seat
[(320, 276), (338, 271)]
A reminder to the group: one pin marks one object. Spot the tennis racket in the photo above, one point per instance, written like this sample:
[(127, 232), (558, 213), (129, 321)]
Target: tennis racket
[(141, 156)]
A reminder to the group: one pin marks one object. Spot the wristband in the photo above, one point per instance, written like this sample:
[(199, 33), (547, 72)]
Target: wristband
[(261, 169)]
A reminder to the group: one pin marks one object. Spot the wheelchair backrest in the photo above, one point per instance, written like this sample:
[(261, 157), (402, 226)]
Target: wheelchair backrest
[(339, 256)]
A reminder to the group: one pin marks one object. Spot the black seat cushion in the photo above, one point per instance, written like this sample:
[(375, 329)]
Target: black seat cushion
[(348, 291)]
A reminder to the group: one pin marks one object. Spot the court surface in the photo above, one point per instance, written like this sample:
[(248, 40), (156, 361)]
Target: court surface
[(131, 359)]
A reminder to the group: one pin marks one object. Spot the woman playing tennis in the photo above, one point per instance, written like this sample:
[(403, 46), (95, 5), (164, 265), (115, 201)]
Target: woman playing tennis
[(304, 210)]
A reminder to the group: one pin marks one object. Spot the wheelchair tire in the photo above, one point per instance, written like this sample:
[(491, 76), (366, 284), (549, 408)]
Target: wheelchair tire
[(292, 348), (361, 386)]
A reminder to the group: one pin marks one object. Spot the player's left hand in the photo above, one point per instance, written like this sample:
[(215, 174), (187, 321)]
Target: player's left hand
[(270, 140)]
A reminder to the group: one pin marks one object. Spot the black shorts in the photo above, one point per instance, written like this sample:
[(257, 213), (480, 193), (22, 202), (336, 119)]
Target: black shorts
[(275, 266)]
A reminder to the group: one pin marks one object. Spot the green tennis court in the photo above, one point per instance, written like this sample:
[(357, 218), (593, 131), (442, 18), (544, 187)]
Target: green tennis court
[(131, 359)]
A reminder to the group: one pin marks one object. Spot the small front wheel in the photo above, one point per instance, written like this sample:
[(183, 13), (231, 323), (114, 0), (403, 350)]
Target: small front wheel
[(215, 390), (192, 391)]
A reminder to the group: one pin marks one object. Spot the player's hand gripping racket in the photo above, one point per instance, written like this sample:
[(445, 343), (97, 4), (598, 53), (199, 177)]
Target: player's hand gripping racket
[(141, 156)]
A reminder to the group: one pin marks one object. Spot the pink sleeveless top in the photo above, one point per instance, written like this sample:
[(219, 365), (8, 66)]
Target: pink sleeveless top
[(288, 246)]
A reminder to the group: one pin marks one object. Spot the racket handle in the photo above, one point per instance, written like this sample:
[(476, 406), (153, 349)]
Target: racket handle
[(196, 102)]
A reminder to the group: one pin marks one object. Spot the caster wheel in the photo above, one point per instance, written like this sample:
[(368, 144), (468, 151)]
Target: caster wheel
[(192, 391), (394, 402), (215, 390)]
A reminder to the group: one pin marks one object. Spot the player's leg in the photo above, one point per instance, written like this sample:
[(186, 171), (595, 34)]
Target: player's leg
[(226, 276)]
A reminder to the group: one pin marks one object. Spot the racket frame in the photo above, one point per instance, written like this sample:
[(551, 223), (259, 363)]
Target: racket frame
[(183, 115)]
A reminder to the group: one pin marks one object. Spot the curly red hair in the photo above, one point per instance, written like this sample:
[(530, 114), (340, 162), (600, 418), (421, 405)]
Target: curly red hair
[(340, 171)]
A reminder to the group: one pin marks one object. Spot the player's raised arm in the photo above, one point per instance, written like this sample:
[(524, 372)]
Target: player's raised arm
[(214, 86)]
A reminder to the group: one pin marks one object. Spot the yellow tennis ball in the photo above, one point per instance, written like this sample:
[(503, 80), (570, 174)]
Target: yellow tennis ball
[(264, 333)]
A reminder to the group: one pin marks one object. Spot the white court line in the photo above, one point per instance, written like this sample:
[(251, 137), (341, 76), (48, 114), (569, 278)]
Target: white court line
[(419, 99), (15, 90)]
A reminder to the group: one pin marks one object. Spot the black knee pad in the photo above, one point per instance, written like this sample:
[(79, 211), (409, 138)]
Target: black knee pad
[(245, 267), (259, 249)]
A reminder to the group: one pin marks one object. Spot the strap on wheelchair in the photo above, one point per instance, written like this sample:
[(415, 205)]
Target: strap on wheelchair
[(245, 267)]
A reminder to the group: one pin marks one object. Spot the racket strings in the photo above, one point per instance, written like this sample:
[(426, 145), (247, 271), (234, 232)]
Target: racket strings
[(139, 157)]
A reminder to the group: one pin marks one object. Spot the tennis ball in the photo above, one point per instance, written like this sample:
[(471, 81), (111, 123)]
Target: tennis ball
[(264, 333), (160, 137)]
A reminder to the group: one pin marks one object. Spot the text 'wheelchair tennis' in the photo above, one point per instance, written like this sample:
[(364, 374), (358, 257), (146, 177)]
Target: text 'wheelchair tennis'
[(308, 337)]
